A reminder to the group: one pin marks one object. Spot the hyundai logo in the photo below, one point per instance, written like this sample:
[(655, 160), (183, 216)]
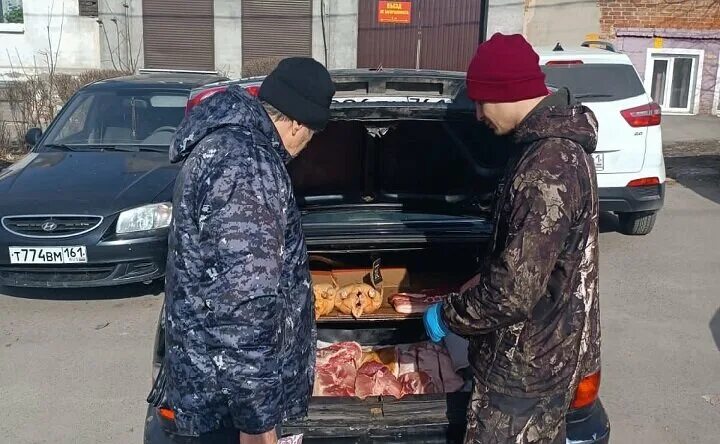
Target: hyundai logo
[(49, 226)]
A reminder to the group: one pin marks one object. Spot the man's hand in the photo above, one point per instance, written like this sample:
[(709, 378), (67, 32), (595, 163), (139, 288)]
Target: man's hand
[(263, 438)]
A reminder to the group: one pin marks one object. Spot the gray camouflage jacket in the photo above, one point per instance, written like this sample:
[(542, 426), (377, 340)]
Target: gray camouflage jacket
[(239, 314), (533, 317)]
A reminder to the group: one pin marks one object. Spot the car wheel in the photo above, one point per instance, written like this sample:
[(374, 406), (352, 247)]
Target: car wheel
[(637, 224)]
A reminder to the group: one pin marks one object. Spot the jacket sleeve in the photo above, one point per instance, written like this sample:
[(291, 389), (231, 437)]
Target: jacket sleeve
[(242, 229), (544, 195)]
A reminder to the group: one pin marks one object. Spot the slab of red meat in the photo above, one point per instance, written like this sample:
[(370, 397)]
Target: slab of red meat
[(417, 383), (427, 357), (335, 369), (335, 380), (407, 359), (408, 303), (339, 353), (375, 379)]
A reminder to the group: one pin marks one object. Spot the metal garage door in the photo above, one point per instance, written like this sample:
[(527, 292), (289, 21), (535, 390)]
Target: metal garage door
[(272, 30), (179, 34), (441, 34)]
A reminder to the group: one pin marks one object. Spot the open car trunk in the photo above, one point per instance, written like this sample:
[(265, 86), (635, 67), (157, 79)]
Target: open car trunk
[(402, 207)]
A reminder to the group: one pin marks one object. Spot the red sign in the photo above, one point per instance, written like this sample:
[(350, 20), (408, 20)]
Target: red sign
[(394, 12)]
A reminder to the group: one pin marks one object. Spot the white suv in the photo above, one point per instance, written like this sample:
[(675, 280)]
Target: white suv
[(629, 159)]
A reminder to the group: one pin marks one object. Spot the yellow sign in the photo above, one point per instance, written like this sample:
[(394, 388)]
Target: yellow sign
[(658, 42), (394, 12), (592, 37)]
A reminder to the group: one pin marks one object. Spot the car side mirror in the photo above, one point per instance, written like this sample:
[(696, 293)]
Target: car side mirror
[(33, 135)]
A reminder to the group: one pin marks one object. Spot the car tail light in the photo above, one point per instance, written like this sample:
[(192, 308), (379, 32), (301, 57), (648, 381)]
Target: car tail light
[(587, 391), (166, 413), (202, 95), (646, 115), (253, 90), (564, 62), (644, 182)]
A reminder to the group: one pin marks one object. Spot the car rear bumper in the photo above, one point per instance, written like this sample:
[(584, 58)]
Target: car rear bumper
[(592, 427), (109, 263), (632, 199)]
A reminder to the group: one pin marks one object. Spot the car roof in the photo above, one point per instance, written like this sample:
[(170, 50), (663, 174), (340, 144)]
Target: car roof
[(158, 80), (591, 55)]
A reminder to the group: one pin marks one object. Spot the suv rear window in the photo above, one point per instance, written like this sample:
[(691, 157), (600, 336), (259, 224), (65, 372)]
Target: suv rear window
[(596, 82)]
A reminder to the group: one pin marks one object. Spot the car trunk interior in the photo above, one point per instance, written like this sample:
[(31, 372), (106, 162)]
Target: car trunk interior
[(428, 167)]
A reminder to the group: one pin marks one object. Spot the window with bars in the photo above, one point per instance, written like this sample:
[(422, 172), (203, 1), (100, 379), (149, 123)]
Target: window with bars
[(88, 8)]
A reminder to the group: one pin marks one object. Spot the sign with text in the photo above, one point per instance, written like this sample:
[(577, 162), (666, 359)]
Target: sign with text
[(394, 12)]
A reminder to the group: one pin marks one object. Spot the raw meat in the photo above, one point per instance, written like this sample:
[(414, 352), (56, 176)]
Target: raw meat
[(375, 379), (335, 380), (339, 353), (408, 303), (324, 299), (357, 299), (388, 356), (417, 383), (335, 369), (452, 382), (407, 359), (427, 357)]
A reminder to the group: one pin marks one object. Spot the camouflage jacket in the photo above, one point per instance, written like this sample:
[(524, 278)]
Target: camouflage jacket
[(533, 317), (239, 315)]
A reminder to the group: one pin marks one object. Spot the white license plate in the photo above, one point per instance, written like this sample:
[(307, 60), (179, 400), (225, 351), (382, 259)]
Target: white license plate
[(48, 255), (599, 159)]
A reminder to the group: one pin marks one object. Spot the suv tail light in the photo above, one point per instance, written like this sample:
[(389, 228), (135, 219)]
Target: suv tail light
[(646, 115), (644, 182), (587, 391)]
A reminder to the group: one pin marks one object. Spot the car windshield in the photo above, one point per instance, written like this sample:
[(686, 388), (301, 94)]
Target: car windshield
[(596, 82), (121, 120)]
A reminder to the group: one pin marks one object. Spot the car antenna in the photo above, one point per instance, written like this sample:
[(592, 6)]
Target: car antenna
[(558, 47)]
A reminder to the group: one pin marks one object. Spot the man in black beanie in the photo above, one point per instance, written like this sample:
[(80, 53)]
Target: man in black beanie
[(239, 310)]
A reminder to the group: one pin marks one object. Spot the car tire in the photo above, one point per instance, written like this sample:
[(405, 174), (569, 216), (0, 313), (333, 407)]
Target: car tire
[(637, 224)]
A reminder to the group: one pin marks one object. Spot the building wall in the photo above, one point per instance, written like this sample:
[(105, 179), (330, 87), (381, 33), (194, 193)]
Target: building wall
[(663, 14), (75, 38), (665, 24), (228, 37), (636, 42), (341, 33), (121, 40), (505, 16), (548, 22)]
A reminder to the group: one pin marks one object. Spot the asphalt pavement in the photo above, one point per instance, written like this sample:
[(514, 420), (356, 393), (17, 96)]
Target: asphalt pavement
[(75, 365)]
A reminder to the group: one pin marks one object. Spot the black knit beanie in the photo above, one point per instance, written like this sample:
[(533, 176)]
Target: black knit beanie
[(300, 88)]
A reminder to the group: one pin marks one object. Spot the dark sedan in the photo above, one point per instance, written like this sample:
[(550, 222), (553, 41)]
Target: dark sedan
[(91, 203)]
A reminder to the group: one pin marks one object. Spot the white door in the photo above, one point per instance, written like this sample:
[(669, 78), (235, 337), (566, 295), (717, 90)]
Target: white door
[(673, 82)]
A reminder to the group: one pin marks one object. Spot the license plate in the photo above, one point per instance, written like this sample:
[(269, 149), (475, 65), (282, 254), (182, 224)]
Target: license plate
[(599, 159), (48, 255)]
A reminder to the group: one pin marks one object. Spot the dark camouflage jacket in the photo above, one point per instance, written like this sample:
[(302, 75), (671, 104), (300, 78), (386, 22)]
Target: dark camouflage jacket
[(239, 314), (533, 318)]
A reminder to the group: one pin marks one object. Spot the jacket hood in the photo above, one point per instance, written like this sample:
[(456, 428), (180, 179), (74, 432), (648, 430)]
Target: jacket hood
[(559, 116), (233, 108)]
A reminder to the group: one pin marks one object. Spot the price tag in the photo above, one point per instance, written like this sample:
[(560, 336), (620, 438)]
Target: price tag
[(376, 275)]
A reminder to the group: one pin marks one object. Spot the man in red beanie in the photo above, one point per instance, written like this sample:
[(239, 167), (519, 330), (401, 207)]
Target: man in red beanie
[(531, 314)]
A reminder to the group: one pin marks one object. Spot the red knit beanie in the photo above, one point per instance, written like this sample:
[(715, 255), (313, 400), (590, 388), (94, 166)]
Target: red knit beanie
[(505, 69)]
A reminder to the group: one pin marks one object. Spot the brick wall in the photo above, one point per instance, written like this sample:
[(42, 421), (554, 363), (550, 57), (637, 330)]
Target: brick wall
[(668, 14)]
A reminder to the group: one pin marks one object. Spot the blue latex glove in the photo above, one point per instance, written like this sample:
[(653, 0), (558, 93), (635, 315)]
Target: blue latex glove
[(434, 324)]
